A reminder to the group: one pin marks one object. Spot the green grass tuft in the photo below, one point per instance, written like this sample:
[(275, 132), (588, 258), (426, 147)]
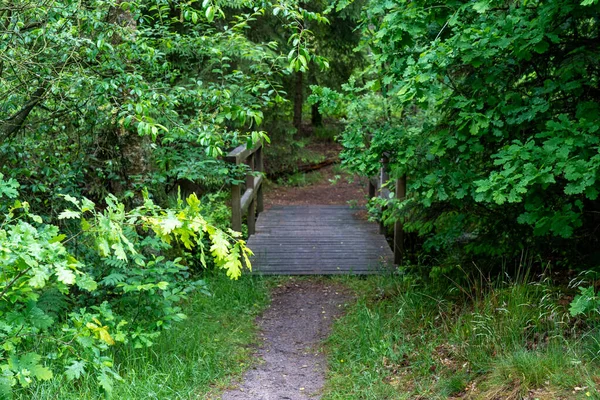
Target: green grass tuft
[(300, 179)]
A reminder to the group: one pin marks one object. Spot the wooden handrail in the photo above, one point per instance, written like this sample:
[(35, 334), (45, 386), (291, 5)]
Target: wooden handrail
[(376, 188), (251, 201)]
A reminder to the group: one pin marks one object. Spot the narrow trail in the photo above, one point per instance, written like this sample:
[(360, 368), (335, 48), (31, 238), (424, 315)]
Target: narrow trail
[(292, 364)]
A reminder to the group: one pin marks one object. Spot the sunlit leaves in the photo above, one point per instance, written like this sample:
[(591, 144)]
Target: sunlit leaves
[(100, 331), (36, 262), (27, 367), (75, 370), (8, 187)]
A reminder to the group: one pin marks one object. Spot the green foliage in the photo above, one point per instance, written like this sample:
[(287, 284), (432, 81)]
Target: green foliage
[(330, 102), (210, 349), (491, 111), (123, 293), (585, 302), (159, 90)]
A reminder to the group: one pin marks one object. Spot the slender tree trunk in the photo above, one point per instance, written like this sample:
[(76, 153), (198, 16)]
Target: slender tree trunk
[(135, 149), (298, 100), (316, 118)]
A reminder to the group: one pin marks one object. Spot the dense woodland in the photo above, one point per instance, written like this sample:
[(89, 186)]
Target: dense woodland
[(115, 117)]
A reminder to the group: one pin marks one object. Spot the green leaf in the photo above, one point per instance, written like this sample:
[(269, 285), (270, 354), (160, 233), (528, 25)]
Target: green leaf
[(65, 275), (87, 205), (41, 372), (105, 382), (162, 285), (210, 13), (8, 188), (69, 214), (57, 238), (119, 251), (40, 319), (541, 47), (303, 61), (6, 392), (28, 360), (85, 282), (170, 223), (71, 199), (584, 302), (39, 278), (76, 370), (481, 6)]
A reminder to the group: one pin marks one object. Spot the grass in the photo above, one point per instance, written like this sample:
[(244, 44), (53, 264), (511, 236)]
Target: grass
[(402, 339), (193, 360), (405, 339), (301, 179)]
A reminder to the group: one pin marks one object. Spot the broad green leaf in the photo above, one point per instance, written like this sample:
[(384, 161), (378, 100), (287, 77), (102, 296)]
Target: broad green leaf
[(41, 372), (65, 275), (69, 214), (85, 282), (210, 13), (76, 370)]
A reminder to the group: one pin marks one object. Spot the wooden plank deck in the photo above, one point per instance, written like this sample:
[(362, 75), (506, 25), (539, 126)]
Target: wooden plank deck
[(317, 240)]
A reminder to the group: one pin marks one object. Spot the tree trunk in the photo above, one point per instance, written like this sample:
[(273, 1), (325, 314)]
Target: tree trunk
[(316, 117), (135, 149), (298, 100)]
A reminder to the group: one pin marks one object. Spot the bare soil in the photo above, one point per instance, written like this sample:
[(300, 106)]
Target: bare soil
[(292, 364), (343, 189)]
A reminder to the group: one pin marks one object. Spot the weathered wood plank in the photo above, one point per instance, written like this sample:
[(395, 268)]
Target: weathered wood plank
[(323, 239), (240, 153)]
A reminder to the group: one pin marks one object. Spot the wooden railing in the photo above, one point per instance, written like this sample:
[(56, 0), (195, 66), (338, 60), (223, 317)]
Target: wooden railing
[(249, 202), (376, 188)]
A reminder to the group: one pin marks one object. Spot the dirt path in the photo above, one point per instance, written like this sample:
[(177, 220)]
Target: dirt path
[(345, 189), (292, 363)]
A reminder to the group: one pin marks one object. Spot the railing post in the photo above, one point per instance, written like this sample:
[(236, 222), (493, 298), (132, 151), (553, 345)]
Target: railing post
[(251, 200), (371, 189), (383, 178), (252, 207), (398, 226), (236, 208), (260, 167)]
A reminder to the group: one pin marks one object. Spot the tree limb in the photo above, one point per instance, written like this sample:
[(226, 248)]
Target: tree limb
[(11, 126)]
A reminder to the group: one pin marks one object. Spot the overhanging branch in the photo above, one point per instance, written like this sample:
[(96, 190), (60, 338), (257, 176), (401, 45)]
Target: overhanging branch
[(11, 126)]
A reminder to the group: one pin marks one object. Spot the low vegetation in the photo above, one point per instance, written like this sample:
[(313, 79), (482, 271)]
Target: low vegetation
[(194, 359), (406, 338)]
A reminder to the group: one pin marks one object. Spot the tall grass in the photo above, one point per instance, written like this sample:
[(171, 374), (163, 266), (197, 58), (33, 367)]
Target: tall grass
[(405, 338), (196, 357)]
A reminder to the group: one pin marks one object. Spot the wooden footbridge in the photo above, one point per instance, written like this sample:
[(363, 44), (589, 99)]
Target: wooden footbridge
[(305, 239)]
